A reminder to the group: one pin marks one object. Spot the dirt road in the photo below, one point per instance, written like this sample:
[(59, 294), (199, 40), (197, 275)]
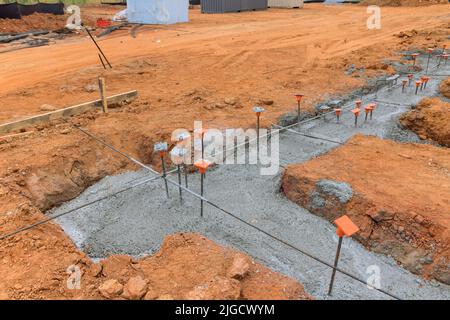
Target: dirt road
[(248, 55)]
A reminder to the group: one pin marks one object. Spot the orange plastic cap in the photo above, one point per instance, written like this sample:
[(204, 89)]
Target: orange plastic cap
[(414, 55), (202, 165), (338, 111), (368, 108), (299, 96), (430, 50), (410, 76), (358, 103), (418, 83), (356, 111), (345, 226)]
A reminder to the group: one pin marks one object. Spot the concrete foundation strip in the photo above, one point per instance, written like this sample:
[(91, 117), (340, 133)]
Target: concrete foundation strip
[(66, 112), (236, 217)]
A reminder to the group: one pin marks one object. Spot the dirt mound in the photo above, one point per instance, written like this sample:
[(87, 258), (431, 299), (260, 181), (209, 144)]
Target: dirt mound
[(403, 3), (188, 266), (444, 88), (36, 21), (396, 193), (430, 120)]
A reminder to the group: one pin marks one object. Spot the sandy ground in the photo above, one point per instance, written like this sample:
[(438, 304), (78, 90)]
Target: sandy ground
[(183, 73)]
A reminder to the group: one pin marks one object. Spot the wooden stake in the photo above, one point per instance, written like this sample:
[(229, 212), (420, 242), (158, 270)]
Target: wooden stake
[(102, 87)]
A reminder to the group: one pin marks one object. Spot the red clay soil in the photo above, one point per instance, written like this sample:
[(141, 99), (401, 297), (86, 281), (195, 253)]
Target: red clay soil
[(400, 198), (430, 120), (188, 266), (444, 88), (214, 69), (403, 3)]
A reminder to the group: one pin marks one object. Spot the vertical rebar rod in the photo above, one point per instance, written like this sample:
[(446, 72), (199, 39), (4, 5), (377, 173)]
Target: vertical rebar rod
[(179, 183), (428, 61), (104, 67), (102, 88), (201, 193), (336, 260), (185, 175), (298, 113), (165, 176), (257, 137), (98, 47)]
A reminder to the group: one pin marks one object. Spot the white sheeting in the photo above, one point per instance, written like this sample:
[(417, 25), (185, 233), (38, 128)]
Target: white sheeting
[(157, 11)]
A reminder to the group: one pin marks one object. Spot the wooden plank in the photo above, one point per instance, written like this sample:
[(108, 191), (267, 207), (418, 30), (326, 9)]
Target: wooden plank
[(66, 112)]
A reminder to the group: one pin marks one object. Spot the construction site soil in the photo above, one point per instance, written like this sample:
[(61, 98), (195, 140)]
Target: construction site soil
[(430, 120), (214, 69), (396, 193)]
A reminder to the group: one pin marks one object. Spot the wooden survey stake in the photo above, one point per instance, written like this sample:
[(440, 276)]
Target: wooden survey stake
[(102, 87)]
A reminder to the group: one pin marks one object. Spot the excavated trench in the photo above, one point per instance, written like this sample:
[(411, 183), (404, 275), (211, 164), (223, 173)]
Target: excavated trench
[(135, 222)]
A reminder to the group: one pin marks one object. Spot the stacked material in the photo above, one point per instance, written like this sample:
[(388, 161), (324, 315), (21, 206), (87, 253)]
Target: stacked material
[(286, 3)]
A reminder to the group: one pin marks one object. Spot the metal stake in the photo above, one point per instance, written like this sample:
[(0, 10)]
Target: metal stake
[(336, 260), (102, 87), (257, 136), (164, 174), (179, 183), (258, 111)]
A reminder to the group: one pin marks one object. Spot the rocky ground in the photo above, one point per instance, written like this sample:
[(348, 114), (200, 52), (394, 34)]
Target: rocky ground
[(396, 193)]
